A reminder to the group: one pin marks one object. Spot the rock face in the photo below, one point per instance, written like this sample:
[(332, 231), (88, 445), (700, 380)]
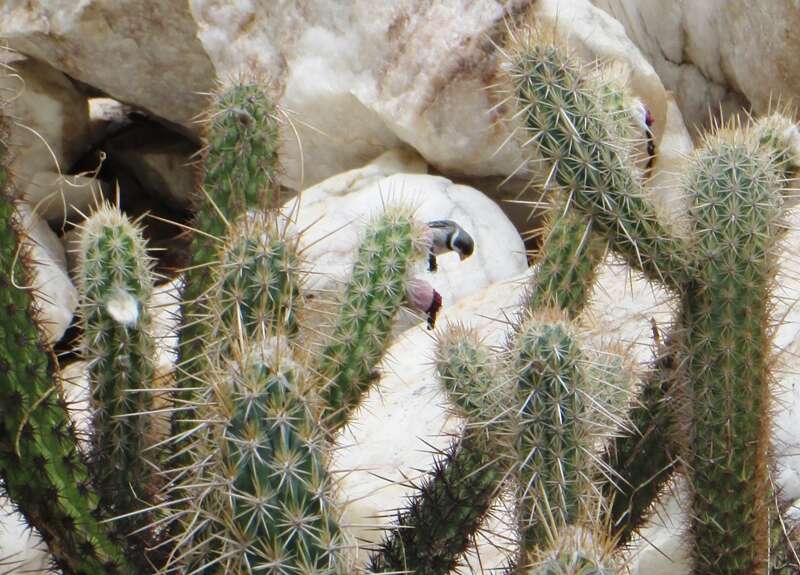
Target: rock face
[(355, 78), (716, 54), (49, 133), (137, 51)]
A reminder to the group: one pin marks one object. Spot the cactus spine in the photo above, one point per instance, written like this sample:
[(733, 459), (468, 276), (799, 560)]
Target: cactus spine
[(115, 281), (374, 293), (273, 470), (567, 115), (566, 271), (39, 461)]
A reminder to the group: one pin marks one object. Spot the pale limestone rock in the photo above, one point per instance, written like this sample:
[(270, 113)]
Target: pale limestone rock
[(334, 214), (673, 152), (55, 295), (50, 131), (353, 79), (141, 52), (726, 55), (22, 549)]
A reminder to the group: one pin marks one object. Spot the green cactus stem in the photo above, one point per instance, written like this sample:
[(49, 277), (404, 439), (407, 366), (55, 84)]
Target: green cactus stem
[(554, 438), (41, 469), (256, 292), (736, 218), (115, 281), (270, 497), (565, 112), (436, 528), (393, 242), (239, 171), (566, 272)]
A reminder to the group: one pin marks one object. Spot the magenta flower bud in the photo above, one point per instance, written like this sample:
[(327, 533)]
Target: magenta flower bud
[(421, 296)]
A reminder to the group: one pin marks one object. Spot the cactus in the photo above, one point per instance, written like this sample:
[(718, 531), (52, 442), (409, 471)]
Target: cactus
[(240, 165), (374, 293), (574, 551), (116, 282), (275, 510), (436, 528), (736, 214), (566, 113), (40, 466), (566, 271), (554, 438), (256, 290)]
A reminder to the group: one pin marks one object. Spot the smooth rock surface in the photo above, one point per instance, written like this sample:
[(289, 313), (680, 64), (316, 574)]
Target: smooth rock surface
[(55, 295), (668, 169), (50, 131), (354, 79), (334, 214), (143, 52), (717, 55)]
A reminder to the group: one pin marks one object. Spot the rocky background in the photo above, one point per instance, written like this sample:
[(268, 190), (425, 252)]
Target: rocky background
[(380, 100)]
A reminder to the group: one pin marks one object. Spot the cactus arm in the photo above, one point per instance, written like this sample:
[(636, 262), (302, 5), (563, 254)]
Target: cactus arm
[(271, 501), (373, 295), (565, 112), (553, 442), (115, 283), (448, 507), (239, 174), (736, 218), (566, 272)]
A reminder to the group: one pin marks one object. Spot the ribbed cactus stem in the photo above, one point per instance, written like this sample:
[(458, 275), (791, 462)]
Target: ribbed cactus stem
[(573, 551), (567, 269), (736, 218), (554, 436), (374, 293), (436, 528), (239, 168), (566, 116), (115, 281), (256, 289), (273, 470), (41, 469)]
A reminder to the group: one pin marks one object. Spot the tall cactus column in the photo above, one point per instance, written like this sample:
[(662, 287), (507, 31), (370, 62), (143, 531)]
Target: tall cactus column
[(116, 282), (736, 220), (239, 171)]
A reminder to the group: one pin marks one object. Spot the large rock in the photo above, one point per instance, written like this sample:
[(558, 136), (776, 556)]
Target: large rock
[(49, 133), (139, 51), (354, 78), (717, 54)]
